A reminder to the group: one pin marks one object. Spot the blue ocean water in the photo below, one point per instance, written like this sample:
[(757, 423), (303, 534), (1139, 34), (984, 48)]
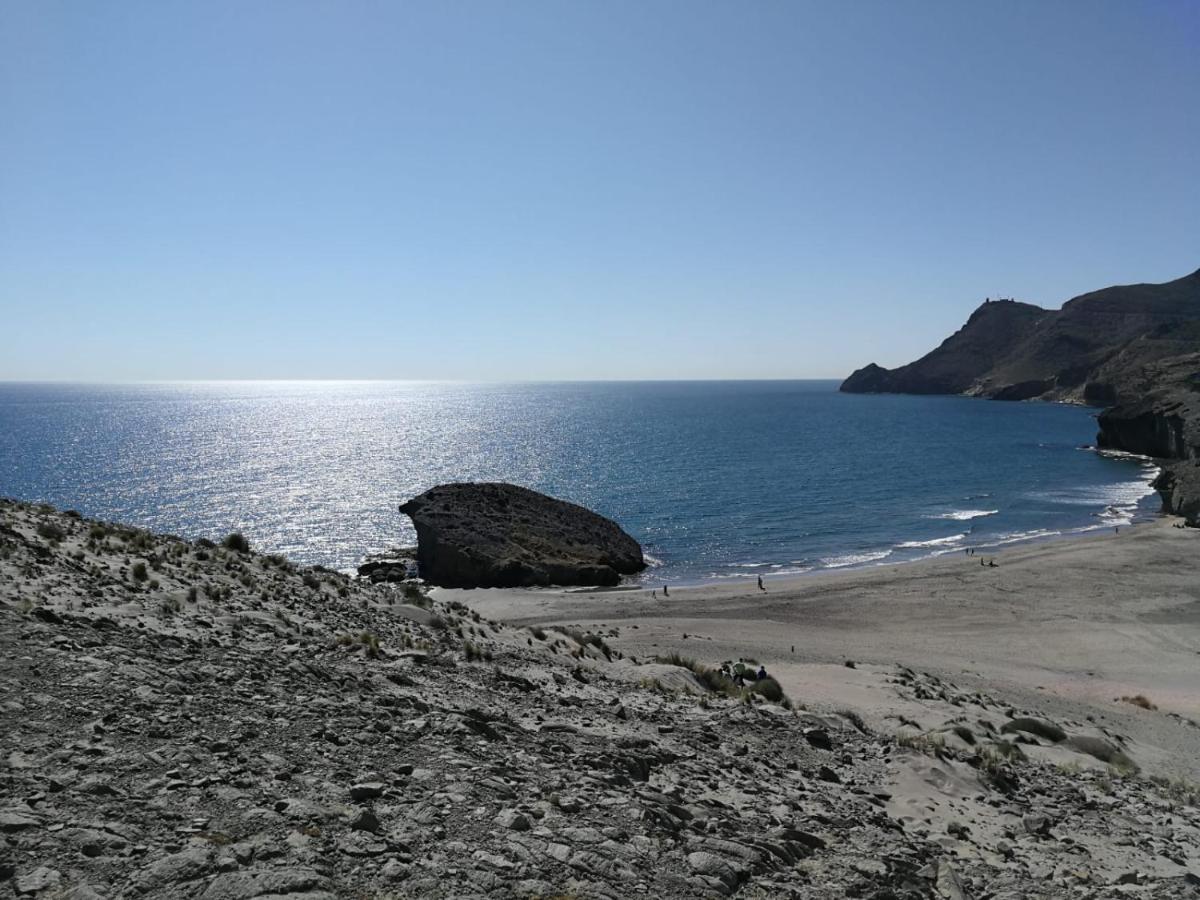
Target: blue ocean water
[(716, 479)]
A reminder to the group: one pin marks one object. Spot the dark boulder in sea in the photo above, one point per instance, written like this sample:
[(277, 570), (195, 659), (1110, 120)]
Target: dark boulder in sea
[(501, 535)]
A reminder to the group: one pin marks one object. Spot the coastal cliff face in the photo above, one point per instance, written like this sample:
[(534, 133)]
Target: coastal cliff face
[(1131, 347), (1164, 424), (501, 535)]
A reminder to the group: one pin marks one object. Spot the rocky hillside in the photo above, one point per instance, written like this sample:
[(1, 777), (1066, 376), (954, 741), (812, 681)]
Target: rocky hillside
[(190, 720), (1131, 346), (1095, 349)]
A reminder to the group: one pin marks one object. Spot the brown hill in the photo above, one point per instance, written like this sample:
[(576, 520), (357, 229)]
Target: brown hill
[(1094, 350)]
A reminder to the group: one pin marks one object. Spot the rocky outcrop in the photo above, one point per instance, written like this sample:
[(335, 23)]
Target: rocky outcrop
[(502, 535), (1095, 349), (1164, 424), (992, 331)]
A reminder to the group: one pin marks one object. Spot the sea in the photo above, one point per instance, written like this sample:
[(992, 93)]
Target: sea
[(717, 480)]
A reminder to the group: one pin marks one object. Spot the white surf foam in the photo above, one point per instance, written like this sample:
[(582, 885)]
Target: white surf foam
[(934, 542), (854, 559), (963, 515)]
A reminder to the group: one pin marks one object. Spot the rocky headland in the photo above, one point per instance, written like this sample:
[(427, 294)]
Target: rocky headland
[(1132, 348), (191, 719), (501, 535)]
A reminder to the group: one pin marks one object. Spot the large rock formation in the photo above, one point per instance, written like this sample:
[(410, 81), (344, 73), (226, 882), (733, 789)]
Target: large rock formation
[(1165, 423), (1130, 347), (1094, 350), (501, 535)]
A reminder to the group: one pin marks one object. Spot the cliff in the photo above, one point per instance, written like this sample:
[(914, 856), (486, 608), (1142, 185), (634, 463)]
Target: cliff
[(1094, 350), (1130, 347)]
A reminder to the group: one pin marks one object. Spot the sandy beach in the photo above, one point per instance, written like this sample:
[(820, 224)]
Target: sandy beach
[(1066, 627)]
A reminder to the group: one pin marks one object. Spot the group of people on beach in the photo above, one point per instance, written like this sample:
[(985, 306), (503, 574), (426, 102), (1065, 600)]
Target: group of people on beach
[(988, 563), (742, 671)]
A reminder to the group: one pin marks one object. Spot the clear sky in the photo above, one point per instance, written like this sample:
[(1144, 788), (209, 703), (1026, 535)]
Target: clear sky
[(556, 190)]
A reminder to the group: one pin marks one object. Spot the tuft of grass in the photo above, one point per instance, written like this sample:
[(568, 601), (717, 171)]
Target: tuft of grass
[(717, 683), (1140, 700), (926, 743), (854, 719), (537, 632), (236, 542), (139, 571)]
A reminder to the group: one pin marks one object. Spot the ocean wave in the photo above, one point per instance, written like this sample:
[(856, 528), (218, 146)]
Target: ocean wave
[(1120, 454), (933, 542), (854, 559), (748, 565), (652, 562), (963, 515), (1015, 536)]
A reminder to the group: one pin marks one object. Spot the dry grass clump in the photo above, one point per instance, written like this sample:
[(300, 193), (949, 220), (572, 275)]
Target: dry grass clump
[(51, 532), (1140, 700), (717, 682)]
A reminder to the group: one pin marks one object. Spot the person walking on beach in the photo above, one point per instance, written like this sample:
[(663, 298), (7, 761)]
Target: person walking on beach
[(665, 593), (760, 584)]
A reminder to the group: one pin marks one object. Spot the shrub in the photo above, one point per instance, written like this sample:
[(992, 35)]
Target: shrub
[(769, 688), (537, 632), (192, 594), (237, 542), (97, 532), (51, 532), (139, 571), (205, 543), (371, 643)]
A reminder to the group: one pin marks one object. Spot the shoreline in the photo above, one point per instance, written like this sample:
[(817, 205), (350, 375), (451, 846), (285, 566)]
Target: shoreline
[(1139, 517)]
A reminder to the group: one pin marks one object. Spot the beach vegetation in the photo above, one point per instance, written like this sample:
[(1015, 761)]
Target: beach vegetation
[(370, 643), (925, 742), (237, 542), (1140, 700), (585, 640), (139, 571), (854, 719), (51, 532), (716, 682)]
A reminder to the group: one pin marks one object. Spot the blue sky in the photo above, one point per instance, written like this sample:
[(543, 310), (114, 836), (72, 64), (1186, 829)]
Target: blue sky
[(558, 190)]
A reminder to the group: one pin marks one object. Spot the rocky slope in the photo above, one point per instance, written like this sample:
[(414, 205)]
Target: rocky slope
[(186, 720), (502, 535), (1130, 346), (1095, 349), (1164, 423)]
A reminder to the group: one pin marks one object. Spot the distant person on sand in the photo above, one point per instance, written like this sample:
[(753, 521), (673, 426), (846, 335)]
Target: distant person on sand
[(654, 594), (665, 593), (762, 672), (760, 584)]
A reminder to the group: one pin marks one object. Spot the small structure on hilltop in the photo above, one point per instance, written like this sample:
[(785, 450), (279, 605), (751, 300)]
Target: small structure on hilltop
[(502, 535)]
